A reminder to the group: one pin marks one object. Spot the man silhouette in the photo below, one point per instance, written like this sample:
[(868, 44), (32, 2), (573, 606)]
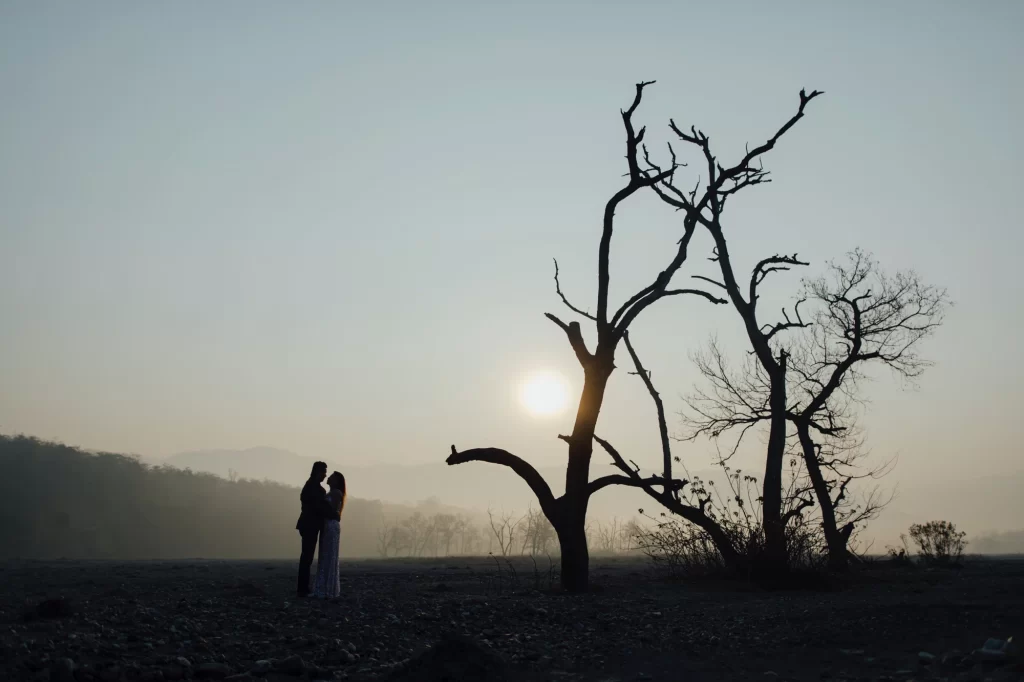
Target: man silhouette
[(315, 510)]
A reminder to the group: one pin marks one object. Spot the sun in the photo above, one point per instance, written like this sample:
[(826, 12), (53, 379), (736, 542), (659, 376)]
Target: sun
[(544, 394)]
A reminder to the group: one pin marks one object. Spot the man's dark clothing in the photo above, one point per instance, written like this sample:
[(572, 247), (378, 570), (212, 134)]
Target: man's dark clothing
[(314, 510)]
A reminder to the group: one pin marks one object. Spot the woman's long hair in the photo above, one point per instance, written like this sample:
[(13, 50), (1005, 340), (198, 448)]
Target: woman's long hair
[(337, 480)]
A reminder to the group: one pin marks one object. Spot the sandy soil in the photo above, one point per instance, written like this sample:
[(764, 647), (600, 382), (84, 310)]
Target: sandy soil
[(108, 621)]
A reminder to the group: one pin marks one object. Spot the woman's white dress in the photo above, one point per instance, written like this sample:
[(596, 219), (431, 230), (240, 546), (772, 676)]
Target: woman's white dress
[(328, 581)]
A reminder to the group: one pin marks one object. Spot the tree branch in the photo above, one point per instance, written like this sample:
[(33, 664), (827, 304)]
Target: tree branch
[(788, 324), (520, 466), (638, 179), (570, 306), (666, 443), (767, 266), (636, 482), (575, 334), (696, 292)]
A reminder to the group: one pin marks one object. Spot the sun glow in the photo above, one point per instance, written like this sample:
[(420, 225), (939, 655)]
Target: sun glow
[(544, 394)]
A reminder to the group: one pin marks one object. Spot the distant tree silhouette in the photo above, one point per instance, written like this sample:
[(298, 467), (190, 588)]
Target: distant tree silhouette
[(504, 527), (386, 538), (568, 513), (536, 532)]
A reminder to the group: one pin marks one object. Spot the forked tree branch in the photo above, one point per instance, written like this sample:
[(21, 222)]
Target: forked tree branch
[(805, 502), (695, 515), (570, 306), (666, 443), (638, 179), (636, 482), (767, 266), (575, 334), (797, 322)]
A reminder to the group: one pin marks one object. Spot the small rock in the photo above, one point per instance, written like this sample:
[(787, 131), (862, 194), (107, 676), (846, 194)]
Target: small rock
[(992, 656), (63, 670), (453, 658), (771, 674), (925, 658), (952, 658), (212, 670), (262, 666)]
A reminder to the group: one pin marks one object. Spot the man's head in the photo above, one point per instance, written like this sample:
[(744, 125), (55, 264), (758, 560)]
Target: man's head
[(319, 471)]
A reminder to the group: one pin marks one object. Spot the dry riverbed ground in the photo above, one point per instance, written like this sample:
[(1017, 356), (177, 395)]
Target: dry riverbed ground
[(169, 620)]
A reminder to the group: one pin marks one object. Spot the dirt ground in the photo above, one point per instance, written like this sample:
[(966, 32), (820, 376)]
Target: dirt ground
[(110, 621)]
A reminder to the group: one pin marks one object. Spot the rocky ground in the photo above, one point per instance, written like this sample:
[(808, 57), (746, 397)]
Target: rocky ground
[(158, 621)]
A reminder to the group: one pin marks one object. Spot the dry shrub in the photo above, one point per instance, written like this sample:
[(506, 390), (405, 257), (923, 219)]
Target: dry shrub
[(685, 550), (939, 542)]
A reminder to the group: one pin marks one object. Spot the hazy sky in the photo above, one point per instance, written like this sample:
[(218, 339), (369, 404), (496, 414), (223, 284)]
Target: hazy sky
[(328, 226)]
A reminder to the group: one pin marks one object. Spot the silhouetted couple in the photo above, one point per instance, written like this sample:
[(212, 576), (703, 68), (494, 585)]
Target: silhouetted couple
[(321, 520)]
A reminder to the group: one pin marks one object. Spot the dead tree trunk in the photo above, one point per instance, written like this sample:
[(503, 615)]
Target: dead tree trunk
[(834, 539), (771, 492)]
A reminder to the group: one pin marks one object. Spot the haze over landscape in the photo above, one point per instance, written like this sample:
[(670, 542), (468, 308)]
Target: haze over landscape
[(330, 232), (511, 342)]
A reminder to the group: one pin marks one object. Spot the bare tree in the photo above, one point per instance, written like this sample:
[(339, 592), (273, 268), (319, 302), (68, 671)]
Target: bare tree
[(419, 533), (469, 536), (386, 537), (537, 533), (864, 316), (446, 527), (503, 528), (568, 513), (722, 183), (611, 537), (861, 315)]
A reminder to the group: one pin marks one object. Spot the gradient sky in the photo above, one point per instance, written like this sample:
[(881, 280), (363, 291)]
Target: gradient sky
[(329, 227)]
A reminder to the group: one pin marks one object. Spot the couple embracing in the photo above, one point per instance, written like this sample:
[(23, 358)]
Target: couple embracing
[(321, 520)]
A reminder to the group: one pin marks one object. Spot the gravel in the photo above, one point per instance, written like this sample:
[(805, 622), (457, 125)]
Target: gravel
[(407, 620)]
